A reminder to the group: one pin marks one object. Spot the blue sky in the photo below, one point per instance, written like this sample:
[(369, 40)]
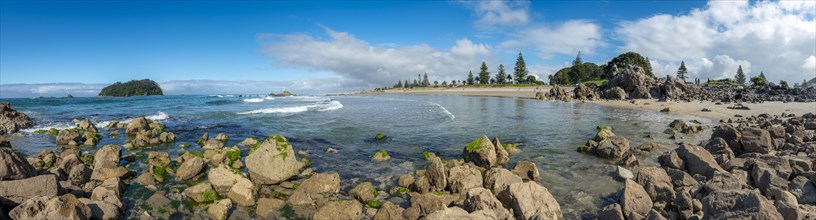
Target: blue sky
[(326, 46)]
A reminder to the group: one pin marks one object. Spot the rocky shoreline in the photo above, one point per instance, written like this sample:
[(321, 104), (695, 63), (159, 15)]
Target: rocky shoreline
[(632, 82), (752, 166)]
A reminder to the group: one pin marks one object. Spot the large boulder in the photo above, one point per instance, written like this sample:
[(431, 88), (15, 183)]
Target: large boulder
[(738, 204), (137, 125), (109, 191), (657, 183), (698, 161), (459, 213), (527, 170), (389, 211), (612, 148), (363, 192), (635, 201), (219, 209), (190, 168), (268, 206), (530, 201), (13, 192), (106, 157), (719, 150), (463, 178), (101, 210), (340, 210), (49, 207), (481, 152), (731, 136), (274, 161), (756, 140), (803, 189), (13, 166), (478, 199), (69, 137), (436, 175), (497, 179), (769, 173), (222, 179), (632, 79), (11, 120), (502, 156), (316, 191), (611, 212), (242, 193), (201, 193), (427, 203), (583, 92), (614, 93)]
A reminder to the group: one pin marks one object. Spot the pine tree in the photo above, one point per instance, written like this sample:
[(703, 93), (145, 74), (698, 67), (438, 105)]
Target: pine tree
[(406, 85), (681, 72), (425, 81), (501, 75), (484, 75), (740, 77), (399, 84), (470, 78), (577, 60), (762, 75), (416, 84), (521, 69)]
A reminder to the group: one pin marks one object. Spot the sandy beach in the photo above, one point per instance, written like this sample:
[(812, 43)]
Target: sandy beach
[(718, 112)]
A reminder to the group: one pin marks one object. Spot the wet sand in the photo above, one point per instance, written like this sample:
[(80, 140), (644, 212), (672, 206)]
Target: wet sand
[(717, 113)]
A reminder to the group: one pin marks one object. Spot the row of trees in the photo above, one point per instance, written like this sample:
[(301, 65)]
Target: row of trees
[(520, 72), (521, 75), (578, 72)]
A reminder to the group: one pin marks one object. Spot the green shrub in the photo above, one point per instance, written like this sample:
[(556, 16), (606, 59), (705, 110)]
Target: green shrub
[(603, 127)]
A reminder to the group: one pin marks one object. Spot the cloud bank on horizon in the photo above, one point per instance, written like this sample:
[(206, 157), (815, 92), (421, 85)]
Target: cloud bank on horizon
[(777, 38)]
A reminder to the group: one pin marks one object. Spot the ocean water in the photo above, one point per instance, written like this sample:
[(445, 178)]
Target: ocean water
[(547, 132)]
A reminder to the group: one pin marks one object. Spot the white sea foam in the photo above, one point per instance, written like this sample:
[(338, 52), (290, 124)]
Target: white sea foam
[(323, 106), (46, 127), (253, 100), (268, 98), (159, 116), (333, 105), (445, 110)]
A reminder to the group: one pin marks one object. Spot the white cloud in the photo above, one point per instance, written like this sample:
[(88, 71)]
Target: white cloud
[(809, 64), (49, 90), (772, 37), (495, 13), (568, 38), (354, 59)]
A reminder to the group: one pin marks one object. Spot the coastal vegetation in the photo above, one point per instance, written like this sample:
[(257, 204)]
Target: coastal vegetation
[(145, 87)]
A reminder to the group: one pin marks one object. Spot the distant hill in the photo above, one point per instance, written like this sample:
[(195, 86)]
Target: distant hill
[(143, 87)]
